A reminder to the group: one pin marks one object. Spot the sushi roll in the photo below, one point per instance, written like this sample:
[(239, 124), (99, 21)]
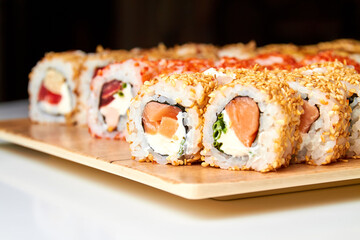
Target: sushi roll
[(234, 63), (273, 61), (237, 50), (287, 49), (156, 53), (329, 56), (191, 65), (194, 50), (269, 61), (165, 120), (92, 63), (337, 72), (251, 123), (111, 91), (350, 46), (52, 88), (324, 124), (103, 119)]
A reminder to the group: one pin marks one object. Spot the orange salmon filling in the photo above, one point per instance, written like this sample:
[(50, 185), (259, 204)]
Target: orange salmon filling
[(244, 116), (310, 115), (160, 118)]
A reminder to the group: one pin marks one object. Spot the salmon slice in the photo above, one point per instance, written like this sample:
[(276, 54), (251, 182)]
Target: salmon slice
[(244, 116), (150, 127), (310, 115), (160, 117), (154, 111), (168, 127)]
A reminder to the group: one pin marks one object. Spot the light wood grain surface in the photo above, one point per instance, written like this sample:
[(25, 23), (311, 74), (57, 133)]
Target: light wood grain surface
[(192, 182)]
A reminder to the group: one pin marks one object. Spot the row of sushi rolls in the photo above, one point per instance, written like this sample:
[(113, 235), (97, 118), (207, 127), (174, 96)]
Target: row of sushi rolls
[(235, 107)]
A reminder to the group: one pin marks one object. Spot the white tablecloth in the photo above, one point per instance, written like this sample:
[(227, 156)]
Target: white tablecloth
[(45, 197)]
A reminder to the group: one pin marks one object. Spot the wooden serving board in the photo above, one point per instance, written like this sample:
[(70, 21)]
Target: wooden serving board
[(192, 182)]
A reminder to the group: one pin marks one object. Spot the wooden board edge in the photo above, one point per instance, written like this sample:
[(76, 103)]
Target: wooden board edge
[(269, 187), (289, 190), (190, 191), (182, 190)]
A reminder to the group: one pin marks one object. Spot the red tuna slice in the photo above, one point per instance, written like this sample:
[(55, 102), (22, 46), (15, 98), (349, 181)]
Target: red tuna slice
[(48, 96), (108, 90)]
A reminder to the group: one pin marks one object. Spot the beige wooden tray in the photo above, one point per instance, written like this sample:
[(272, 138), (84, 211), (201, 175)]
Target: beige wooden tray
[(192, 182)]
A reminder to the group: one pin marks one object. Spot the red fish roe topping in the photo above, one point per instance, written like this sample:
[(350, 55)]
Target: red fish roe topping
[(227, 62), (270, 61), (329, 56), (150, 71), (276, 61), (184, 66), (97, 71)]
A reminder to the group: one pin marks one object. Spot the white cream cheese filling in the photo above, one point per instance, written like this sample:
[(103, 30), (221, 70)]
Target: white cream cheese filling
[(53, 81), (63, 107), (230, 142), (117, 107), (169, 146)]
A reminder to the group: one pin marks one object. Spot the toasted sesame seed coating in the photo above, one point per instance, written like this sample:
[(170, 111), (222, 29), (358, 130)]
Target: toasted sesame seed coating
[(190, 84), (329, 77), (277, 92)]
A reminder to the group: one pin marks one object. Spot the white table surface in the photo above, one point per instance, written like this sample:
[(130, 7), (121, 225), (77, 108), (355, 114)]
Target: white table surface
[(45, 197)]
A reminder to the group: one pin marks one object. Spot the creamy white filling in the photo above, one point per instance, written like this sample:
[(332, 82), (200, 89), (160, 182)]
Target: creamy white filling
[(230, 142), (54, 80), (269, 61), (120, 103), (168, 146), (117, 107), (63, 107)]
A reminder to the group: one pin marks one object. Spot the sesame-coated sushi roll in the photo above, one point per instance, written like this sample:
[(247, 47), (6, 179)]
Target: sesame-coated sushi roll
[(329, 56), (269, 61), (288, 49), (324, 125), (155, 53), (111, 91), (337, 72), (237, 50), (251, 123), (348, 47), (52, 88), (194, 50), (276, 61), (165, 119)]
